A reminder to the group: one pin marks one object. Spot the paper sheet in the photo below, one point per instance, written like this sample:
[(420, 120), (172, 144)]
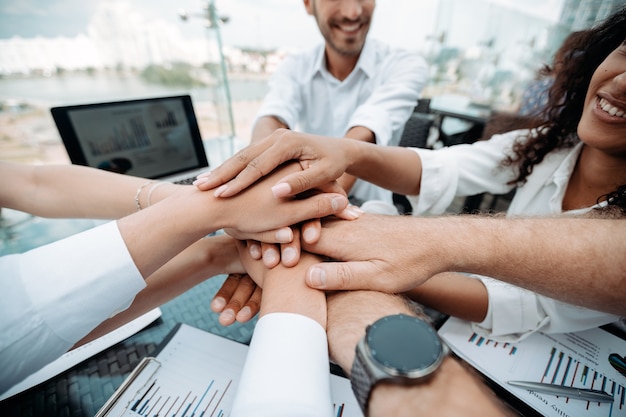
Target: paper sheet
[(575, 359), (196, 373)]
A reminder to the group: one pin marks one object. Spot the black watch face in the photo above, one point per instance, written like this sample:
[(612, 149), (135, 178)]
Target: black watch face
[(404, 345)]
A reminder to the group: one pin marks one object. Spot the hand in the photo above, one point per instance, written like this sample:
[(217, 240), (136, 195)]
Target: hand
[(323, 160), (381, 253), (238, 299), (284, 289), (272, 213)]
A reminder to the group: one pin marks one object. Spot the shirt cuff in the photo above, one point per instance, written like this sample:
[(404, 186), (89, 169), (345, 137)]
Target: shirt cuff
[(78, 282), (439, 191), (286, 371), (513, 312)]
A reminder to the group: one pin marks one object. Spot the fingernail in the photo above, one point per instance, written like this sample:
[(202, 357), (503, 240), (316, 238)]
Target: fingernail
[(255, 251), (204, 174), (284, 235), (228, 315), (356, 208), (244, 313), (220, 190), (337, 202), (270, 256), (199, 181), (353, 214), (309, 235), (289, 254), (317, 277), (281, 190), (218, 304)]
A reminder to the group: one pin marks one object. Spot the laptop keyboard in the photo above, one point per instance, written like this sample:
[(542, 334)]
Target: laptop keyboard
[(185, 181)]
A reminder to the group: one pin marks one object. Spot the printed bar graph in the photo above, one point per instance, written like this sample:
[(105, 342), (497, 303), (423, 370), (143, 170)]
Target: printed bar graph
[(195, 375), (482, 341), (580, 360)]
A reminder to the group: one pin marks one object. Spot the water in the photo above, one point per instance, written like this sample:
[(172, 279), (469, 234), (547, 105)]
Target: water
[(83, 88)]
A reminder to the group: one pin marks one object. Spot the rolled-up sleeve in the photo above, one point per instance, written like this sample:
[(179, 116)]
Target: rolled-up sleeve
[(56, 294), (286, 371), (391, 103), (463, 170), (515, 313)]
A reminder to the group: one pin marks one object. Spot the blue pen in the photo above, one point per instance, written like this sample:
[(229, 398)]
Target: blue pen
[(585, 394)]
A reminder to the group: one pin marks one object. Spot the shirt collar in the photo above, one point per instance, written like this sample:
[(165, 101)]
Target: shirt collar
[(366, 62)]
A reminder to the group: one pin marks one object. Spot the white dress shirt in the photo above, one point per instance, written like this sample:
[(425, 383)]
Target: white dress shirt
[(54, 295), (379, 94), (286, 371), (464, 170)]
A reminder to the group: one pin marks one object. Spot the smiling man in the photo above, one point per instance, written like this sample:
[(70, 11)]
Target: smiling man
[(348, 87)]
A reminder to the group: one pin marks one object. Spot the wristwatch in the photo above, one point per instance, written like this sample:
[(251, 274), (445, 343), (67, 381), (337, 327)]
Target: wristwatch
[(400, 349)]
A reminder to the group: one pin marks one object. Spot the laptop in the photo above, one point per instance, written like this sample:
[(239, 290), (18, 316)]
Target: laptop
[(156, 138)]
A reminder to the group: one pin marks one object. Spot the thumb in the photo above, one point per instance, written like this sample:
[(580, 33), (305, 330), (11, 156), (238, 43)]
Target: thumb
[(342, 276)]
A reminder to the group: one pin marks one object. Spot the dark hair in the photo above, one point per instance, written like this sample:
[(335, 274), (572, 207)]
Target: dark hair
[(556, 129)]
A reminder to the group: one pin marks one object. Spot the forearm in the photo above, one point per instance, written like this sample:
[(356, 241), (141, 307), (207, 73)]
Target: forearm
[(73, 191), (264, 127), (454, 390), (453, 294), (171, 225), (392, 167), (204, 259), (564, 258)]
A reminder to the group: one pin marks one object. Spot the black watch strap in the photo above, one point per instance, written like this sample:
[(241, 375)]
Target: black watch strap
[(361, 382)]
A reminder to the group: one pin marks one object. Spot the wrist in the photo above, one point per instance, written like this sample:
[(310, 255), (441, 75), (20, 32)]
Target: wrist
[(284, 290)]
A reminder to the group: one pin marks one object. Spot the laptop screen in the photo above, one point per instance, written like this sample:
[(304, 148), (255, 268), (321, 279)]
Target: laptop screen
[(151, 137)]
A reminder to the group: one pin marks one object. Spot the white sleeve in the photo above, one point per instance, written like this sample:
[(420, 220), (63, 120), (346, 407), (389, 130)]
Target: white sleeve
[(54, 295), (286, 371), (514, 313), (391, 103), (463, 170), (284, 98)]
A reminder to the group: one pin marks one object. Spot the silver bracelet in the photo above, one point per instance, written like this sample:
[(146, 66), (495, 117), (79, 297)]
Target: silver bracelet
[(154, 187), (141, 187)]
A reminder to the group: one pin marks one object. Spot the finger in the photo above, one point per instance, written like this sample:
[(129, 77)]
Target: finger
[(231, 167), (318, 175), (251, 308), (281, 235), (313, 207), (225, 293), (245, 288), (311, 231), (254, 249), (350, 213), (290, 252), (345, 276), (270, 254)]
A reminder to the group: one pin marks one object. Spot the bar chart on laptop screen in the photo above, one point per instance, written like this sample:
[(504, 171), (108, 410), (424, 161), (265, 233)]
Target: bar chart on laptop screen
[(580, 360), (125, 135)]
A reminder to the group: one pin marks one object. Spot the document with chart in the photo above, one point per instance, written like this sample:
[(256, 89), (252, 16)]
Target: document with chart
[(591, 360), (195, 373)]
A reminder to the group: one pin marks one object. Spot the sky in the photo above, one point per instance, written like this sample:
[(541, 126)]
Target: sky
[(266, 24)]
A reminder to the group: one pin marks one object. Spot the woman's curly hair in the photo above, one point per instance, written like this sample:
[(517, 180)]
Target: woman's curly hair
[(575, 63)]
